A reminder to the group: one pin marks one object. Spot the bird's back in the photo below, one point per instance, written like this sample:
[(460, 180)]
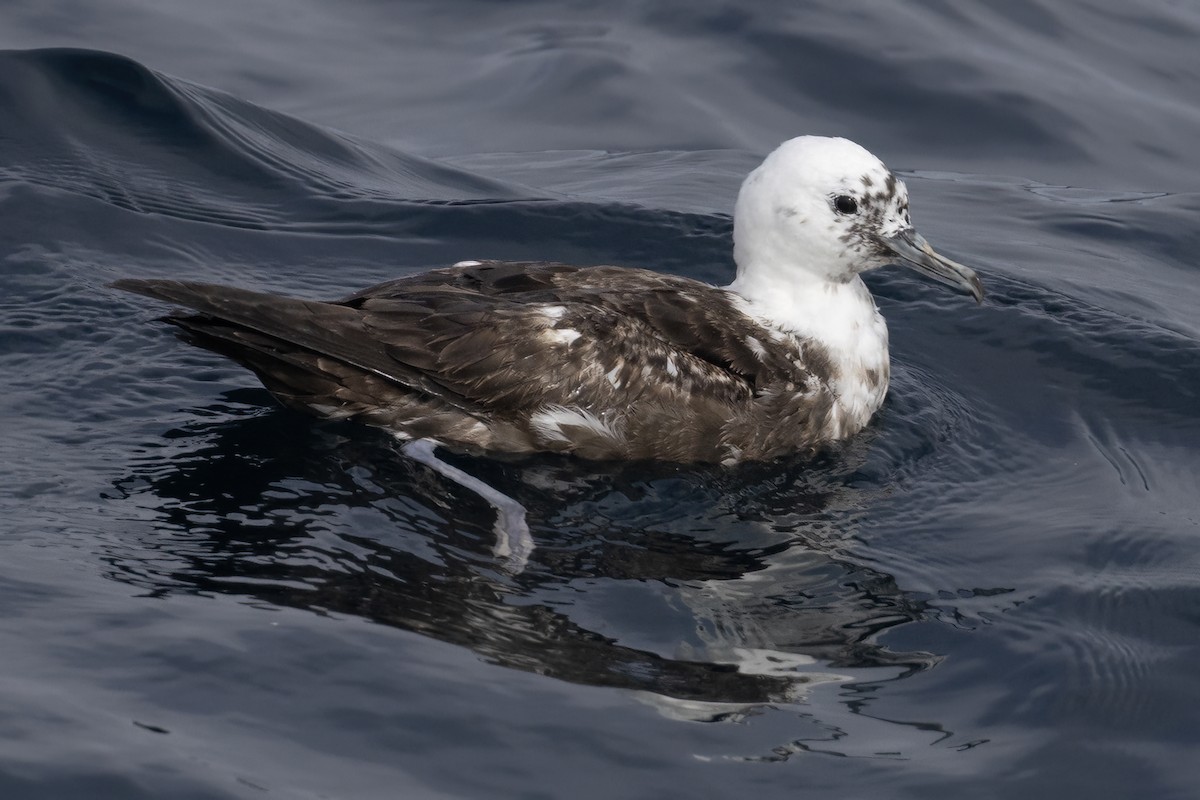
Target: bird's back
[(604, 362)]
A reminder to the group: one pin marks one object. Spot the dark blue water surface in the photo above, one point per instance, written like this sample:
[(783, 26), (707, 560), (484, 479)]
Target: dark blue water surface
[(994, 592)]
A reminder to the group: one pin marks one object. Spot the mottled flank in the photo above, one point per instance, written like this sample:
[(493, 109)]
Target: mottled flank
[(603, 362)]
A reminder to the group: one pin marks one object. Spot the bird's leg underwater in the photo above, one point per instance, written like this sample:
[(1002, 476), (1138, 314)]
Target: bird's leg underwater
[(514, 543)]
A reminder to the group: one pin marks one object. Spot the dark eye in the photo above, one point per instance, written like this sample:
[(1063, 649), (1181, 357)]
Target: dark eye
[(845, 204)]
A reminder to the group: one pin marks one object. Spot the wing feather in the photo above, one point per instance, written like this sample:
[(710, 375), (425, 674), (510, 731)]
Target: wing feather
[(506, 341)]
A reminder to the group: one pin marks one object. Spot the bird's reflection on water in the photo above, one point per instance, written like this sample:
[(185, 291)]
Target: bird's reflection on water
[(708, 592)]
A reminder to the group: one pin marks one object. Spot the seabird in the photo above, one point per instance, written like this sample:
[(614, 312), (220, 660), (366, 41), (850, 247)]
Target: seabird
[(608, 362)]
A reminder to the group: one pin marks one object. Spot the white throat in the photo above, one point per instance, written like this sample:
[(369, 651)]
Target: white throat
[(841, 317)]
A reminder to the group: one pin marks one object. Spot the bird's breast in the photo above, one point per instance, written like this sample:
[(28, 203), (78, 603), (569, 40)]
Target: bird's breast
[(861, 374)]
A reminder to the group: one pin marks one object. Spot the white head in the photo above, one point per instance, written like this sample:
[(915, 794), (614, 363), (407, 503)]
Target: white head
[(826, 210)]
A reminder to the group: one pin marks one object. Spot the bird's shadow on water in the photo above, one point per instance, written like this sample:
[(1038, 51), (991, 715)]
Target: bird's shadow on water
[(719, 591)]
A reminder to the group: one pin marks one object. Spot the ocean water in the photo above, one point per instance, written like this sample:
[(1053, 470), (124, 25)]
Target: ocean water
[(992, 593)]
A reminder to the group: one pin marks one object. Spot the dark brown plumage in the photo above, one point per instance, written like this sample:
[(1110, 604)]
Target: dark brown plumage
[(603, 362)]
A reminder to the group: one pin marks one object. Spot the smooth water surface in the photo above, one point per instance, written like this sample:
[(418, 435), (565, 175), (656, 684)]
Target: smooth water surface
[(992, 592)]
